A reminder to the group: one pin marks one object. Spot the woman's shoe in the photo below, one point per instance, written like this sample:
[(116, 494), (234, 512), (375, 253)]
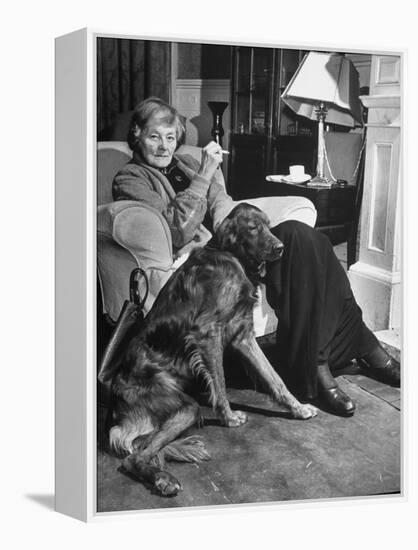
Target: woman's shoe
[(331, 396), (336, 401), (382, 366)]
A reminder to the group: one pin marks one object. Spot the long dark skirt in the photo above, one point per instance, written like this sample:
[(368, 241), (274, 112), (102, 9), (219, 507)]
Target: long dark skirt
[(318, 317)]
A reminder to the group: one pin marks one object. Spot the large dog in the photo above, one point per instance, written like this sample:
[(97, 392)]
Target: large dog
[(206, 306)]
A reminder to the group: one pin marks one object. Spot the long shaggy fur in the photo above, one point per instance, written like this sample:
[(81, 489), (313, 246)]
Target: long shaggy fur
[(206, 306)]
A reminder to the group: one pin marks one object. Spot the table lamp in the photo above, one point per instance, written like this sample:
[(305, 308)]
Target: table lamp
[(325, 86)]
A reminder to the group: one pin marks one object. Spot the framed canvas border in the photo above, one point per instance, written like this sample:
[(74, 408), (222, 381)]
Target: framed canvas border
[(75, 268)]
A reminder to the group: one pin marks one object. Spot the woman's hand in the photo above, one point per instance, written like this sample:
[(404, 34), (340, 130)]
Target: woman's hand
[(211, 159)]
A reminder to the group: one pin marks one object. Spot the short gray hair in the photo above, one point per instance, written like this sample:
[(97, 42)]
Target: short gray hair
[(153, 107)]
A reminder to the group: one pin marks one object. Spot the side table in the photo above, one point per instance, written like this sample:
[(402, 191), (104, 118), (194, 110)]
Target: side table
[(336, 207)]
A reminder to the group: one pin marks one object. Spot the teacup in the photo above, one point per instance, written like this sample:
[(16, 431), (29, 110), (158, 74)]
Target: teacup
[(297, 172)]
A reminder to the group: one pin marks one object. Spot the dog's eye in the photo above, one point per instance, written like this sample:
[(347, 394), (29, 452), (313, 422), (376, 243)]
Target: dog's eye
[(252, 228)]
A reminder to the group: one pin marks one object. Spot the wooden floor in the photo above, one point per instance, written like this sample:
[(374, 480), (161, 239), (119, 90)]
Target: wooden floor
[(273, 458)]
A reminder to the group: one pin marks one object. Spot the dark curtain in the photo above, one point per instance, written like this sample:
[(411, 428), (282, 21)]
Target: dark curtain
[(128, 71)]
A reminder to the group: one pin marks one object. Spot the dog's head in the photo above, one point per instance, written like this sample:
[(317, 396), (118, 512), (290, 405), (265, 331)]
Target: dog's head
[(245, 232)]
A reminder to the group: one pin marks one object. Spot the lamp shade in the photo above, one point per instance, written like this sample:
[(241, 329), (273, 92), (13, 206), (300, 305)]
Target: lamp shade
[(329, 78)]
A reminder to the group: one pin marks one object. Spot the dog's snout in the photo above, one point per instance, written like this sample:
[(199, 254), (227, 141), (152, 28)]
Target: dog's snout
[(275, 249), (279, 249)]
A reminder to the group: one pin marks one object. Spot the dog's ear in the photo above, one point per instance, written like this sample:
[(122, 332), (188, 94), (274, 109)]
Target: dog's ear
[(226, 233)]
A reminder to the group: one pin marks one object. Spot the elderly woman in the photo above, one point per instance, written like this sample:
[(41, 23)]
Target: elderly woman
[(320, 323)]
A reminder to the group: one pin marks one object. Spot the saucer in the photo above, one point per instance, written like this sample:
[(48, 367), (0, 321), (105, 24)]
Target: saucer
[(289, 179)]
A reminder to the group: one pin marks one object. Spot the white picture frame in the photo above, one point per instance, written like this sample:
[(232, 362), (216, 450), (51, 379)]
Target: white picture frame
[(75, 401)]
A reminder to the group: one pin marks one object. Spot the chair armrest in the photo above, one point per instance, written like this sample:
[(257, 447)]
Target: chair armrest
[(140, 229), (131, 234), (281, 209)]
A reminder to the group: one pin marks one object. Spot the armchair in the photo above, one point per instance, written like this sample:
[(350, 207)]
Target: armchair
[(121, 247)]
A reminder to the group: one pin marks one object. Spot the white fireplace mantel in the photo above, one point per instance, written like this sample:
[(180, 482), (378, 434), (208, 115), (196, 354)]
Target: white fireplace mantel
[(376, 277)]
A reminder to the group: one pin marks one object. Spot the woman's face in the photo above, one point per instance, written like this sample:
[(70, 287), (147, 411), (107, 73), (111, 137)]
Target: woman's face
[(157, 143)]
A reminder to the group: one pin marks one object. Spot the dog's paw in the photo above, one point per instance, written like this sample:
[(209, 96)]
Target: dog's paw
[(166, 484), (305, 411), (235, 419)]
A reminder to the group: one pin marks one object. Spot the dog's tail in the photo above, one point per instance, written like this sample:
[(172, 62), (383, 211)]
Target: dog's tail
[(188, 449)]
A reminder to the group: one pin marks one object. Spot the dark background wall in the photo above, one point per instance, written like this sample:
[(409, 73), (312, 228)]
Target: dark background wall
[(203, 61), (131, 70), (127, 72)]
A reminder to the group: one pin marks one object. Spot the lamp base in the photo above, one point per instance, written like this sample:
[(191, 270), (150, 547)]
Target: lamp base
[(319, 181)]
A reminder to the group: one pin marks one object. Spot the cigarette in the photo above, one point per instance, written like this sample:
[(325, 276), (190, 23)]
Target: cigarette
[(225, 152)]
